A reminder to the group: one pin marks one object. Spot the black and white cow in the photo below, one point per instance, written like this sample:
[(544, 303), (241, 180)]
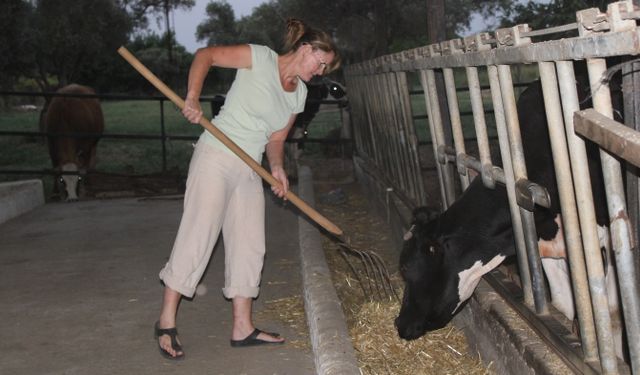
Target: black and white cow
[(445, 254), (318, 89)]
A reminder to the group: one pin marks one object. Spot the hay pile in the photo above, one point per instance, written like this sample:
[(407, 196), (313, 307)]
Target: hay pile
[(381, 351)]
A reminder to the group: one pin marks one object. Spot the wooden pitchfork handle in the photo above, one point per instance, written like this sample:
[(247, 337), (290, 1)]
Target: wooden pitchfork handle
[(302, 205)]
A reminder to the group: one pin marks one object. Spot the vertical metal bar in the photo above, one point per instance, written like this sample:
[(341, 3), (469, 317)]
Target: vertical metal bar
[(397, 134), (520, 172), (410, 140), (505, 152), (439, 133), (372, 105), (619, 226), (388, 124), (580, 170), (163, 133), (432, 132), (480, 126), (631, 88), (383, 91), (456, 123), (355, 109), (360, 117), (374, 153)]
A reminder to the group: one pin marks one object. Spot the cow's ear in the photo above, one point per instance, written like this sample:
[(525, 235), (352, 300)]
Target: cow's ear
[(423, 214)]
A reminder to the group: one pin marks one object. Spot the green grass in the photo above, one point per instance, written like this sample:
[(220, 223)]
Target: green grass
[(119, 155), (114, 155)]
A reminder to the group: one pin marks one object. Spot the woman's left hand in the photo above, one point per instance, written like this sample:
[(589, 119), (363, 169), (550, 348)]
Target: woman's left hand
[(280, 175)]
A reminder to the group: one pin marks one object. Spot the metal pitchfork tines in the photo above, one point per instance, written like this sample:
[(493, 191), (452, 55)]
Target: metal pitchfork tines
[(377, 283), (377, 278)]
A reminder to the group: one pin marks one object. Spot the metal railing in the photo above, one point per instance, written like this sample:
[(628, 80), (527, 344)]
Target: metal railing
[(162, 135), (385, 137)]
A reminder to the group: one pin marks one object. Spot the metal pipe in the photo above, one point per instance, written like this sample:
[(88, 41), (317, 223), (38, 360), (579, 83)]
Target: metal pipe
[(411, 141), (387, 93), (480, 126), (619, 225), (163, 133), (425, 87), (505, 153), (520, 171), (582, 184), (456, 123), (449, 187), (400, 137)]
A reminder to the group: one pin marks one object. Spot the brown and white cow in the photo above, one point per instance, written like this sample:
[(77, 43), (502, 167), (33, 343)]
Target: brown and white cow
[(73, 155)]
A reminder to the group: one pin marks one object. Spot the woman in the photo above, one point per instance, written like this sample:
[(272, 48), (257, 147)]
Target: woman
[(223, 193)]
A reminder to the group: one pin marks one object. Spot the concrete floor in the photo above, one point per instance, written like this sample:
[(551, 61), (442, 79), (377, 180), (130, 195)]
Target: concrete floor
[(80, 293)]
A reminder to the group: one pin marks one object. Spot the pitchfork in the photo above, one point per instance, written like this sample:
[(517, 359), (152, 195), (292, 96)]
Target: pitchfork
[(376, 283)]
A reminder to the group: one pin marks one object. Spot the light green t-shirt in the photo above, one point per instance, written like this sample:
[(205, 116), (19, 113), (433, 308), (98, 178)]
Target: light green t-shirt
[(256, 105)]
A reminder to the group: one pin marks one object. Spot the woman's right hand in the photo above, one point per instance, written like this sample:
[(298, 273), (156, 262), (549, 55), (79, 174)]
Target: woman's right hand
[(192, 110)]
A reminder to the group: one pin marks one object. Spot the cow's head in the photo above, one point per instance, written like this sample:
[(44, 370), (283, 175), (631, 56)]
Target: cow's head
[(441, 269), (421, 266), (69, 181)]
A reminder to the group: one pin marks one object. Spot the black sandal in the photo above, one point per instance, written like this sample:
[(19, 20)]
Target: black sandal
[(172, 333), (253, 339)]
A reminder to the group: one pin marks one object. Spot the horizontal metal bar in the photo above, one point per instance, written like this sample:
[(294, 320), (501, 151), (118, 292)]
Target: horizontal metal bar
[(609, 134), (577, 48), (216, 98), (102, 136), (551, 30)]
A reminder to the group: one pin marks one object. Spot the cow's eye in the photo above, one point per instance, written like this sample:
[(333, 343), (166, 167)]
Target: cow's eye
[(431, 249)]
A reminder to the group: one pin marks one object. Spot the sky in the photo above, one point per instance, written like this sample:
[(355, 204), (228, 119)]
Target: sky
[(186, 22)]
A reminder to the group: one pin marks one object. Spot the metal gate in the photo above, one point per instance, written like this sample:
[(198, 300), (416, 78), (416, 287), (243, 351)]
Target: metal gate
[(386, 137)]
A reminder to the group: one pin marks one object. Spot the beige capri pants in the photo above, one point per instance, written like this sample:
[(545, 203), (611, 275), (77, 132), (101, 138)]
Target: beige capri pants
[(222, 192)]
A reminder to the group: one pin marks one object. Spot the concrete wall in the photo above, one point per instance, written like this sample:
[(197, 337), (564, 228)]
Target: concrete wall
[(18, 197)]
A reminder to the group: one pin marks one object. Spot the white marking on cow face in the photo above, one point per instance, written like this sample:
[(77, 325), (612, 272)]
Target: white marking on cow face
[(470, 278), (70, 181)]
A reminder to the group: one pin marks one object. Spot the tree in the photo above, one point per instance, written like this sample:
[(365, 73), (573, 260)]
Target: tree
[(264, 26), (139, 9), (363, 29), (555, 13), (73, 40), (220, 27), (15, 55), (150, 50)]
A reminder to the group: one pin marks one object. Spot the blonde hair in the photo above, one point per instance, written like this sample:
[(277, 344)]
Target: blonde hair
[(298, 34)]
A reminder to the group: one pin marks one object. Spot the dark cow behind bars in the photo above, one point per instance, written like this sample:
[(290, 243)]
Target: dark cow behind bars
[(445, 254)]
